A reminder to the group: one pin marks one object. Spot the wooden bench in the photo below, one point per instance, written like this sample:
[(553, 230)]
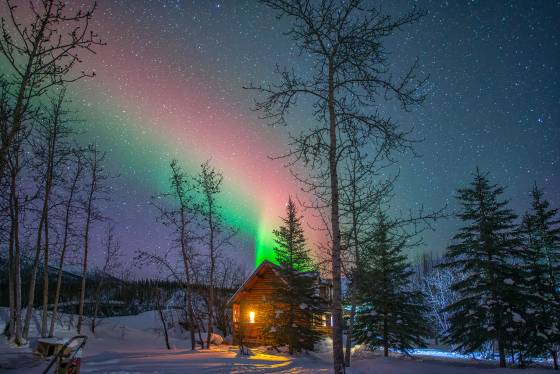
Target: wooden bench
[(47, 347)]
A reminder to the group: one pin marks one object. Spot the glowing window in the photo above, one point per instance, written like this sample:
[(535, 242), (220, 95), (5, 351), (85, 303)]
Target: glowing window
[(251, 317), (236, 312)]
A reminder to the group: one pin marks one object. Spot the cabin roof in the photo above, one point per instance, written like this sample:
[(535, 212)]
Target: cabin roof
[(253, 278)]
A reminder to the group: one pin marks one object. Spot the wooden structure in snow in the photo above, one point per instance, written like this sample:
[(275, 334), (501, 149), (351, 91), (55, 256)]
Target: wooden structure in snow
[(253, 297)]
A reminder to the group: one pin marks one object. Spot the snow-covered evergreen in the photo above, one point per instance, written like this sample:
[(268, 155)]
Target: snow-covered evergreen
[(540, 251), (483, 250), (392, 313), (295, 304)]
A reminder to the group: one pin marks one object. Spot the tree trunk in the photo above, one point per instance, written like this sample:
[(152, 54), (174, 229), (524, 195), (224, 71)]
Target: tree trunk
[(502, 353), (166, 335), (211, 280), (15, 249), (57, 293), (32, 282), (17, 282), (554, 354), (336, 303), (48, 187), (192, 321), (85, 259), (210, 316), (348, 351), (64, 246), (59, 276), (186, 258), (43, 222), (355, 276), (45, 308), (200, 334), (96, 307), (385, 337), (11, 283)]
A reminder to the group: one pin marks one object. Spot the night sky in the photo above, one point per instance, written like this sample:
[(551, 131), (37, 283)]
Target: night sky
[(169, 85)]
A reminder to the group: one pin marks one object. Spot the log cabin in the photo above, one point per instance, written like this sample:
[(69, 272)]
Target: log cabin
[(250, 300)]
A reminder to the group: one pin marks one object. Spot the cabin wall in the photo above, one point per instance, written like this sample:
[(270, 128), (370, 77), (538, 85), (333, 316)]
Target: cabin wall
[(255, 298)]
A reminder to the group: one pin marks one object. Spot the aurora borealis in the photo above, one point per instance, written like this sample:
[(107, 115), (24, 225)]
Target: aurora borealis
[(169, 85), (158, 105)]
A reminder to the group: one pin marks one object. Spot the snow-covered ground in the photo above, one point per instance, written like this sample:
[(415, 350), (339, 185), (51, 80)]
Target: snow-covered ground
[(135, 344)]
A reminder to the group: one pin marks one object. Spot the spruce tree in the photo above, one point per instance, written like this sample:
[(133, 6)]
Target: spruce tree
[(540, 242), (484, 250), (391, 312), (295, 301)]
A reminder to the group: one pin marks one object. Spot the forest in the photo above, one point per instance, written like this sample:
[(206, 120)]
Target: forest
[(492, 294)]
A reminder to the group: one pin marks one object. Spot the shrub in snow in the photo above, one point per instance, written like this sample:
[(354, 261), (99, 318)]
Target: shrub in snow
[(216, 339)]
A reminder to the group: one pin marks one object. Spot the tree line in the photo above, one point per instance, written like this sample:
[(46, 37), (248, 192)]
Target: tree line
[(51, 186)]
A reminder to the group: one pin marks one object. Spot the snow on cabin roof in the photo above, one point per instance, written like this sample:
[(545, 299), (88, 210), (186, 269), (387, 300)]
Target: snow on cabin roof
[(245, 284), (250, 280)]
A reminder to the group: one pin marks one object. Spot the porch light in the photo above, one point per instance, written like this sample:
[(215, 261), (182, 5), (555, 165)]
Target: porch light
[(251, 317)]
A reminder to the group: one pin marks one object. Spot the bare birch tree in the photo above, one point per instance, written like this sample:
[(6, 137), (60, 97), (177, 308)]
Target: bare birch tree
[(96, 191), (16, 213), (70, 211), (348, 80), (160, 306), (50, 145), (15, 200), (5, 208), (209, 182), (176, 209), (41, 45)]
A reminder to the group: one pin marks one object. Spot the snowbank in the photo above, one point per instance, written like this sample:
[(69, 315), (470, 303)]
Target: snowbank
[(135, 344)]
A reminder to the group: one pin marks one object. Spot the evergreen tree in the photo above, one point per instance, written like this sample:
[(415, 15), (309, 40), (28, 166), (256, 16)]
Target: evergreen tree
[(540, 238), (392, 313), (484, 250), (295, 301)]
